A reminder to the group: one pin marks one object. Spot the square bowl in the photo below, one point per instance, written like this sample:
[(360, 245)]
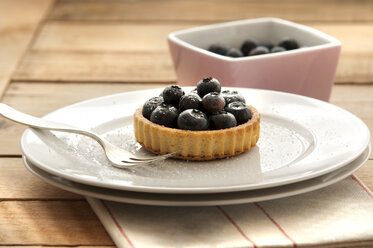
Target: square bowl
[(309, 70)]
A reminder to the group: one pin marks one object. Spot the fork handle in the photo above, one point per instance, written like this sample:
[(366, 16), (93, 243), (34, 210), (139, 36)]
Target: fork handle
[(32, 121)]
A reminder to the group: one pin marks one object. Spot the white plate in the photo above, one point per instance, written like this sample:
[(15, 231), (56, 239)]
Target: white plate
[(201, 199), (300, 138)]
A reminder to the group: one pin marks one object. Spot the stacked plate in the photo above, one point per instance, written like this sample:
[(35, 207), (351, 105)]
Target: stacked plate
[(305, 144)]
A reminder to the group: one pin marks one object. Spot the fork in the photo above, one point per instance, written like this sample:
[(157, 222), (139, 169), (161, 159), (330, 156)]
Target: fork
[(118, 157)]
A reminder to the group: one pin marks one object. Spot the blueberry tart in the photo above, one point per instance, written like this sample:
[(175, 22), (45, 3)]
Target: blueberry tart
[(204, 124)]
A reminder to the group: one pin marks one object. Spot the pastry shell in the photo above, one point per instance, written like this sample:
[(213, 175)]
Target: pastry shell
[(197, 145)]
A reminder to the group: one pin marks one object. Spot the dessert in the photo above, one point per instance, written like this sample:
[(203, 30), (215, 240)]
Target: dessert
[(204, 124)]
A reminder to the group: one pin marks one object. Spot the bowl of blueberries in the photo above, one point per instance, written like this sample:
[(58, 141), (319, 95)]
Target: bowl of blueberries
[(265, 53)]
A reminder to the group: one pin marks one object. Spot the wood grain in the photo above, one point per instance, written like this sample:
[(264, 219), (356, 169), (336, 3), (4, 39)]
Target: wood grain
[(83, 36), (16, 30), (149, 67), (211, 11), (60, 223), (17, 183), (356, 60), (124, 52), (358, 100)]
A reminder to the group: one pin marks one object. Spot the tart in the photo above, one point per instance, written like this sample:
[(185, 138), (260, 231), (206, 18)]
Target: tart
[(204, 124), (197, 145)]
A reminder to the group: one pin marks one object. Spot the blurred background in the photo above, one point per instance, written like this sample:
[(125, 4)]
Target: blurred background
[(125, 41)]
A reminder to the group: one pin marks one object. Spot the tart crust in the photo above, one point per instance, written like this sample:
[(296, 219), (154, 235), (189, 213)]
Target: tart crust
[(197, 145)]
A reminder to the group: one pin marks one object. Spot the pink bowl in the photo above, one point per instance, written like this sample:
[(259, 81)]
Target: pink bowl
[(308, 71)]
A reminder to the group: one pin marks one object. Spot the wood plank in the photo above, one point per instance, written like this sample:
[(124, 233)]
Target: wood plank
[(62, 223), (211, 11), (139, 52), (80, 36), (356, 99), (16, 30), (115, 53), (151, 67), (356, 61), (41, 98), (83, 36), (16, 182)]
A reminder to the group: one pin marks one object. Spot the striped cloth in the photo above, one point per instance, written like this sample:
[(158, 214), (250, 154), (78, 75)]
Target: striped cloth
[(340, 215)]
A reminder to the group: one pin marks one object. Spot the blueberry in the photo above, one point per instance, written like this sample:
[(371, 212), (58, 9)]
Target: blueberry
[(259, 50), (172, 94), (213, 102), (165, 114), (232, 96), (241, 112), (247, 46), (222, 120), (219, 49), (234, 53), (288, 43), (207, 85), (277, 49), (192, 119), (267, 44), (150, 105), (190, 101)]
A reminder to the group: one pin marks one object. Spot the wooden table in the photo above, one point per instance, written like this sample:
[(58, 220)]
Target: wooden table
[(56, 53)]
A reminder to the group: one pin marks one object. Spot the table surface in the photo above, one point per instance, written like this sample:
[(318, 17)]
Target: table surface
[(55, 53)]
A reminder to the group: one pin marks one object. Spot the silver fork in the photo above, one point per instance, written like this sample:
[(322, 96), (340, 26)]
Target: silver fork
[(117, 156)]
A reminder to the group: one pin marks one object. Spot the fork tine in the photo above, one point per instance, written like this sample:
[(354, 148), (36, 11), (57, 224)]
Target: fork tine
[(153, 157), (125, 165), (144, 161), (128, 164), (139, 162)]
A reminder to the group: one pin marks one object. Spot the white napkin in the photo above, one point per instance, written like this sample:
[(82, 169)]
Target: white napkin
[(340, 215)]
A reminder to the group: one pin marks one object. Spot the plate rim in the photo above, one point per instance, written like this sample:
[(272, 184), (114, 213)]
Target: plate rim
[(325, 179)]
